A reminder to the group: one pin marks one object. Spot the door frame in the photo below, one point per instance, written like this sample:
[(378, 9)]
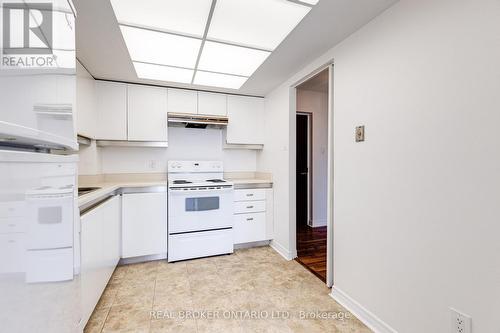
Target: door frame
[(310, 162), (330, 187)]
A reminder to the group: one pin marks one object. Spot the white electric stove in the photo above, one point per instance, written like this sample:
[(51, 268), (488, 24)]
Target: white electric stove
[(200, 210)]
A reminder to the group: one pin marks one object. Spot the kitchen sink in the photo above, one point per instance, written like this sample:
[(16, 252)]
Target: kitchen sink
[(86, 190)]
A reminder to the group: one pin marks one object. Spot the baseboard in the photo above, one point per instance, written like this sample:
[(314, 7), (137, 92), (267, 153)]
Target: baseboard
[(282, 250), (319, 223), (251, 244), (135, 260), (364, 315)]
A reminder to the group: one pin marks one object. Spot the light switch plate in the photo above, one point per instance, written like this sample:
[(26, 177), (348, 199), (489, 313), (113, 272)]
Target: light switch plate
[(360, 133)]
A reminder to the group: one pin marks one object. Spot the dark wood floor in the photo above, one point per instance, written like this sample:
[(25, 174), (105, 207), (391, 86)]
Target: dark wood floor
[(311, 249)]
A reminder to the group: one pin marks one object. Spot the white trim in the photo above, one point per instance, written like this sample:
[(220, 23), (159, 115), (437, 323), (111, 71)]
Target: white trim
[(282, 250), (330, 178), (364, 315)]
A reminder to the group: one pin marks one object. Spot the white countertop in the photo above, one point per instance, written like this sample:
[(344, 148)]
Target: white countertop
[(106, 188)]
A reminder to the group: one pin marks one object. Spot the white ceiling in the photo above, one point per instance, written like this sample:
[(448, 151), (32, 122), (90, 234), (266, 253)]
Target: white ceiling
[(101, 48)]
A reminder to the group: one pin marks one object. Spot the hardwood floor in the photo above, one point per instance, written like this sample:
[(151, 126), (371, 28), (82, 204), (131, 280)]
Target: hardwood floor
[(311, 250)]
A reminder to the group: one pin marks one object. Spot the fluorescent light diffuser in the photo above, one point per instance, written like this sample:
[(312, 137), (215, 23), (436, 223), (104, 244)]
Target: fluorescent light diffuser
[(163, 73), (219, 80), (310, 2), (229, 59), (161, 48), (183, 16), (258, 23)]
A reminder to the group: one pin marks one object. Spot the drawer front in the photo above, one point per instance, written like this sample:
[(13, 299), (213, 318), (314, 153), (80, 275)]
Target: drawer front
[(250, 194), (10, 225), (249, 228), (244, 207)]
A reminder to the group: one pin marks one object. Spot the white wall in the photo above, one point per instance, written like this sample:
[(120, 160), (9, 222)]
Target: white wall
[(416, 220), (183, 144), (316, 103)]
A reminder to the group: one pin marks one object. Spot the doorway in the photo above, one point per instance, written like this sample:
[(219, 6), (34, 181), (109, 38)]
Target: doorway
[(312, 135)]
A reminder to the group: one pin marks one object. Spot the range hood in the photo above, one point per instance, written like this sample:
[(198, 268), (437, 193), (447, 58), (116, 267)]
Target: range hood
[(196, 120)]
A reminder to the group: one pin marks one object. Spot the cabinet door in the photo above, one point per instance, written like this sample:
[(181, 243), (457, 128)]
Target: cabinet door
[(111, 110), (86, 115), (147, 113), (182, 101), (212, 104), (246, 116), (100, 251), (144, 224), (249, 228)]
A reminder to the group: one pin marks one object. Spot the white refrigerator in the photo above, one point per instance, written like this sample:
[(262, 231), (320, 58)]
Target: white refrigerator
[(39, 228)]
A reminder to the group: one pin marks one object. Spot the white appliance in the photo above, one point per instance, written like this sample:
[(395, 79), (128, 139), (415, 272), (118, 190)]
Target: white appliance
[(200, 210), (39, 228)]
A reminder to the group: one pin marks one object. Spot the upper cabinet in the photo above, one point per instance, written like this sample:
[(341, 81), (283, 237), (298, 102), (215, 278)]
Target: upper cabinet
[(147, 113), (246, 115), (182, 101), (85, 103), (212, 104), (111, 100)]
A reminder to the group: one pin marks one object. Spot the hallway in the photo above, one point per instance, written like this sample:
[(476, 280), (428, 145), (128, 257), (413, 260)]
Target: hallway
[(311, 250)]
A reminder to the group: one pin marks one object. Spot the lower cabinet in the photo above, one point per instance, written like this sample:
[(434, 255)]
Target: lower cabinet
[(100, 251), (144, 224), (253, 215)]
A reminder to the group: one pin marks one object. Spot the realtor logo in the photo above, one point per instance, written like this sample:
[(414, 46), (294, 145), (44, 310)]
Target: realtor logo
[(27, 28)]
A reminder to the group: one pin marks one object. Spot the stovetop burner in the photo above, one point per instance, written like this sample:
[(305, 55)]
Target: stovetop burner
[(182, 181), (216, 181)]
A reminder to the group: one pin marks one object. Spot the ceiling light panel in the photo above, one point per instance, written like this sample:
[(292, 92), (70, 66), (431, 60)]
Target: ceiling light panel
[(163, 73), (229, 59), (181, 16), (161, 48), (219, 80), (258, 23), (310, 2)]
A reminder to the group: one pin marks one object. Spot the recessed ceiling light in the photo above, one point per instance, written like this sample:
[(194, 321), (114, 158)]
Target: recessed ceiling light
[(229, 59), (163, 73), (161, 48), (219, 80), (188, 17), (258, 23)]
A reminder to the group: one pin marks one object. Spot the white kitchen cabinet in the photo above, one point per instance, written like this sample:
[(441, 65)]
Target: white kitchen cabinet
[(253, 219), (182, 101), (100, 251), (212, 104), (111, 101), (249, 228), (147, 113), (246, 116), (144, 224), (86, 113)]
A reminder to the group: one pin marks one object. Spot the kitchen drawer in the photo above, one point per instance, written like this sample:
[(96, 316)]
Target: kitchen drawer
[(244, 207), (250, 194), (249, 228), (12, 253), (14, 224)]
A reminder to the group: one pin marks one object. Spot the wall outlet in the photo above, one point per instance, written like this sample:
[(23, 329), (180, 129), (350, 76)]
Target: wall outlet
[(460, 323)]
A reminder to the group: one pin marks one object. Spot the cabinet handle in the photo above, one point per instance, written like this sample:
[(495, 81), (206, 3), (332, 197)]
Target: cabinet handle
[(249, 206), (250, 195), (250, 219)]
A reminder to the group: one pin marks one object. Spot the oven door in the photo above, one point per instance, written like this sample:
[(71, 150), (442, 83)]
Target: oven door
[(199, 209)]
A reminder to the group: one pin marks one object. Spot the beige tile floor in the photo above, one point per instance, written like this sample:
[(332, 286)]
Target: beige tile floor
[(253, 290)]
